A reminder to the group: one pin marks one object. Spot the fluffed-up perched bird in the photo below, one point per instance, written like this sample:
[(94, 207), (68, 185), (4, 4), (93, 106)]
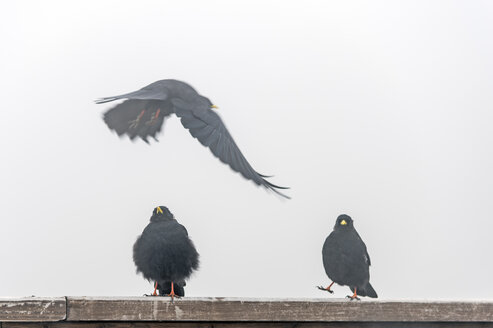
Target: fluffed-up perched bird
[(165, 254), (346, 260), (143, 114)]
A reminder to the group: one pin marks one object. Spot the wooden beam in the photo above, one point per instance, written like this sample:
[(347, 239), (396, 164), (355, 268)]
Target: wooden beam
[(153, 312), (272, 310), (32, 309), (157, 324)]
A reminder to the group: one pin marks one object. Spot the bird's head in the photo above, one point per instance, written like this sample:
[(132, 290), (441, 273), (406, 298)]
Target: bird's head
[(206, 102), (161, 213), (343, 222)]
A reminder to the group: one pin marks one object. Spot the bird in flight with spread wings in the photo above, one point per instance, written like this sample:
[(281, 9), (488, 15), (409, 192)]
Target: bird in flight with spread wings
[(143, 112)]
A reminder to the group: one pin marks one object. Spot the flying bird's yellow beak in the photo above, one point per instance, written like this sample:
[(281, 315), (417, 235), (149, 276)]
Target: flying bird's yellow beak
[(159, 210), (343, 222), (214, 106)]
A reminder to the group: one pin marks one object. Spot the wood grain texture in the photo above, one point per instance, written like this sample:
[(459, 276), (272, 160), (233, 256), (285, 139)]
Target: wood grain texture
[(249, 325), (272, 310), (32, 309)]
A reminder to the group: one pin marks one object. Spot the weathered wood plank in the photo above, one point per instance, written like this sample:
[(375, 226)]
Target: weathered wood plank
[(249, 325), (272, 310), (33, 309)]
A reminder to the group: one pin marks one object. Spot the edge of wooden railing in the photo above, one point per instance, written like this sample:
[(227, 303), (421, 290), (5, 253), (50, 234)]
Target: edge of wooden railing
[(33, 309), (217, 309)]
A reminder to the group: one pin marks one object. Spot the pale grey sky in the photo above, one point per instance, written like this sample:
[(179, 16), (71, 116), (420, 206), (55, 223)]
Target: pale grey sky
[(378, 109)]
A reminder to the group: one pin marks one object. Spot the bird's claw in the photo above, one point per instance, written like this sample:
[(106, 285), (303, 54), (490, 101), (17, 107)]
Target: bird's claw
[(325, 289), (154, 118), (351, 298), (133, 124), (152, 121), (173, 296)]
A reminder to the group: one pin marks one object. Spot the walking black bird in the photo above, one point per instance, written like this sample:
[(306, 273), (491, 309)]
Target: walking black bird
[(143, 114), (165, 254), (346, 260)]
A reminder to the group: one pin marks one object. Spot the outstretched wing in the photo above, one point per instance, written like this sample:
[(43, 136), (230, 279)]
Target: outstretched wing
[(206, 126), (154, 91), (137, 118)]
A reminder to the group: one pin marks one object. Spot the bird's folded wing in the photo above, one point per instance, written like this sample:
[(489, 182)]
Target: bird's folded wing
[(367, 257), (206, 126), (363, 246)]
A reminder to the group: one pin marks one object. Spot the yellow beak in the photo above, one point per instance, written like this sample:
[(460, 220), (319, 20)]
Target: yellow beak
[(343, 222), (214, 106), (159, 210)]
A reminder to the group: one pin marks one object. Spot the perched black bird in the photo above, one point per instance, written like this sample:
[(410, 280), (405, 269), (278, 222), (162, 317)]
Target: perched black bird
[(143, 114), (165, 254), (346, 260)]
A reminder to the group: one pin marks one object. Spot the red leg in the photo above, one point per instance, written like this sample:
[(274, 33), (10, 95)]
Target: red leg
[(134, 123), (154, 117), (327, 289), (172, 293), (355, 296), (155, 288)]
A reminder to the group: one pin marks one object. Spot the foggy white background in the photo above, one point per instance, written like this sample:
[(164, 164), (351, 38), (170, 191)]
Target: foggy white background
[(378, 109)]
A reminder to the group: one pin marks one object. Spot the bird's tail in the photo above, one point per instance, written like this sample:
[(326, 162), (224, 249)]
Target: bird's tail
[(368, 291)]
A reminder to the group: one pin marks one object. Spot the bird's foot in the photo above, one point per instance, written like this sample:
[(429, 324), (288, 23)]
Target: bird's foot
[(352, 297), (327, 289), (154, 118), (173, 296), (152, 121), (134, 123), (172, 293), (154, 293)]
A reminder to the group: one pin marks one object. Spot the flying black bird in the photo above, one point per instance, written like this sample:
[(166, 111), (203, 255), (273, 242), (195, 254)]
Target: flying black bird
[(346, 260), (165, 254), (143, 114)]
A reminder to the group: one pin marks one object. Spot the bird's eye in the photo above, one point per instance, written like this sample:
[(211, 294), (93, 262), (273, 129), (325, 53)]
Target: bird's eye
[(343, 222)]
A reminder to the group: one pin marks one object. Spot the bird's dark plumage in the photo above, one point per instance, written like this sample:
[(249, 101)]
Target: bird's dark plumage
[(164, 253), (143, 113), (346, 260), (123, 118)]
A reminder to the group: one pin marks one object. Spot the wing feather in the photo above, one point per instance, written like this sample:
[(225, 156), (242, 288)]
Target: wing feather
[(120, 118), (207, 127), (149, 92)]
